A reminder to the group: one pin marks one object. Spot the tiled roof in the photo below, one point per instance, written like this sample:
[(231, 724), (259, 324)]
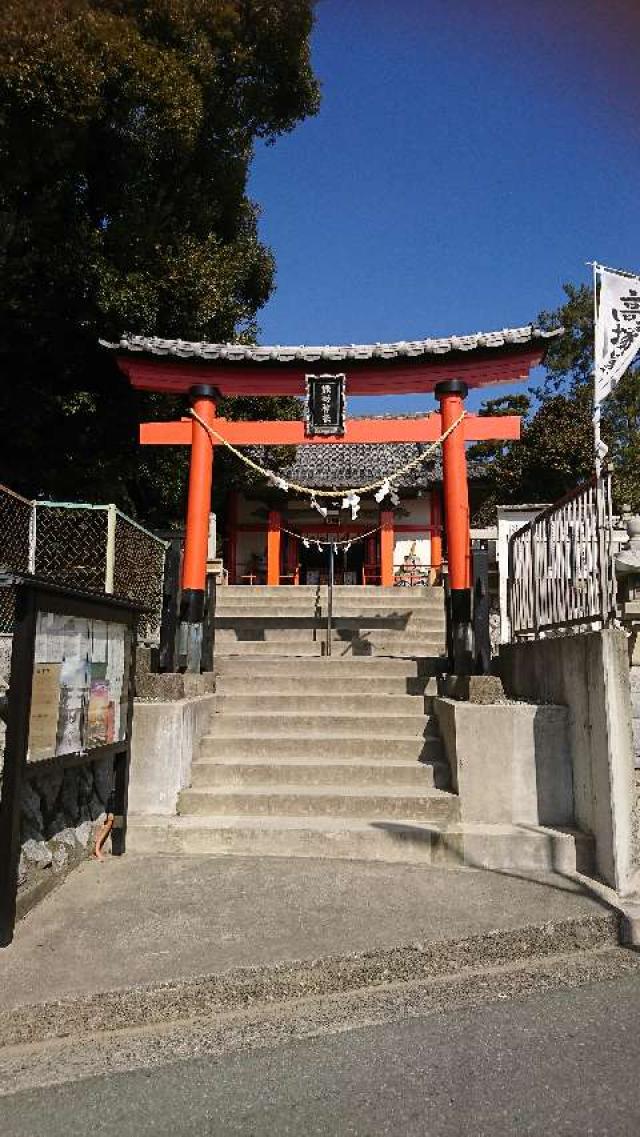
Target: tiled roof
[(356, 464), (403, 349)]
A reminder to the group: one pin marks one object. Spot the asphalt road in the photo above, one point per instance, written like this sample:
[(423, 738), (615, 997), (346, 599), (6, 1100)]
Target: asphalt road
[(561, 1064)]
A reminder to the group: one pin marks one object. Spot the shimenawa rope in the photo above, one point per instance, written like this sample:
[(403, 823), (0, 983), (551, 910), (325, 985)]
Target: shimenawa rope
[(333, 492)]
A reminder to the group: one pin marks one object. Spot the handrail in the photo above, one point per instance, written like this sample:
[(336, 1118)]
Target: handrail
[(561, 565), (571, 495), (330, 600)]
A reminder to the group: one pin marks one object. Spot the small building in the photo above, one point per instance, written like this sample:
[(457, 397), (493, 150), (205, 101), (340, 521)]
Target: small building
[(413, 529)]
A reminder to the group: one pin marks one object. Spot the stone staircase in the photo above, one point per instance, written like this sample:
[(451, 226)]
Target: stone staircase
[(340, 756), (324, 757), (291, 621), (315, 756)]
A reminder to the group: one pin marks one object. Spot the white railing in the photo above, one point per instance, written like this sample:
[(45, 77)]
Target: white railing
[(561, 565)]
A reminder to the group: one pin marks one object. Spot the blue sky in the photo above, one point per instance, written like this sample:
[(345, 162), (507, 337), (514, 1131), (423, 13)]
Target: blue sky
[(468, 157)]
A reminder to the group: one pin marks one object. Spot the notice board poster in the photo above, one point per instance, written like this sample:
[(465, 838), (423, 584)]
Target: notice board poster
[(80, 685)]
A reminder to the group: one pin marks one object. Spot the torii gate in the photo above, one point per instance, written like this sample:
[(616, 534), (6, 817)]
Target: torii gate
[(446, 367)]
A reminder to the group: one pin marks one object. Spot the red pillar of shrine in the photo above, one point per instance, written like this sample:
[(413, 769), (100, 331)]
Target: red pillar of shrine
[(436, 530), (451, 395), (387, 542), (194, 568), (274, 533), (232, 536)]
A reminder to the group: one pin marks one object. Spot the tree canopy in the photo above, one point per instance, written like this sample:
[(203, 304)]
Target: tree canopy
[(126, 134), (555, 452)]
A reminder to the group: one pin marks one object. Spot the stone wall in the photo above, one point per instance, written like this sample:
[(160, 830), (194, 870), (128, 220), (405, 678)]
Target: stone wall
[(521, 774), (61, 812), (166, 735), (589, 674)]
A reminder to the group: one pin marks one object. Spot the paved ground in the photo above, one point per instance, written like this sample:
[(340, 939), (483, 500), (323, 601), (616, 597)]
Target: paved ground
[(563, 1064), (139, 920)]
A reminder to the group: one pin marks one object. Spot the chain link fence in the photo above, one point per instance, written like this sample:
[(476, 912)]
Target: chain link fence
[(71, 544), (95, 548), (138, 570), (16, 514)]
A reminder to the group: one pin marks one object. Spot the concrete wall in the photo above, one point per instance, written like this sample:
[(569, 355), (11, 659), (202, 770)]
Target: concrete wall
[(510, 763), (164, 740), (589, 674)]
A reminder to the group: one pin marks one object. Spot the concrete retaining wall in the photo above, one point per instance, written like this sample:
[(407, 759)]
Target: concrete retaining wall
[(589, 674), (510, 764), (165, 738)]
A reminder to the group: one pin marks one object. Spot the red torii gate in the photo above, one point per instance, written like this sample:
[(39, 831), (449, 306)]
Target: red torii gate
[(446, 367)]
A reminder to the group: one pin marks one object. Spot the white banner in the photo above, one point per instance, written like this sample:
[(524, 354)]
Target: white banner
[(617, 329)]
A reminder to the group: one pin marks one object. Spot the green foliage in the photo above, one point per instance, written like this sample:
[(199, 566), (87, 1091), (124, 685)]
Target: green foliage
[(555, 452), (126, 134), (230, 473)]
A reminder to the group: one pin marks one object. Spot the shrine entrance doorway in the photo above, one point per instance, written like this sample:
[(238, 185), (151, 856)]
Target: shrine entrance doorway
[(349, 565)]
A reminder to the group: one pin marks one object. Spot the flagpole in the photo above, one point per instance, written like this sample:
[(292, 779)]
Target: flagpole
[(596, 405)]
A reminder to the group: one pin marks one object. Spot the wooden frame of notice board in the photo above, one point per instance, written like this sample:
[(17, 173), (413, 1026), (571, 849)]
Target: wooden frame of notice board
[(70, 703)]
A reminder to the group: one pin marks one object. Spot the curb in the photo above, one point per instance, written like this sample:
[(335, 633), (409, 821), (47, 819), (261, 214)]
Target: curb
[(243, 988)]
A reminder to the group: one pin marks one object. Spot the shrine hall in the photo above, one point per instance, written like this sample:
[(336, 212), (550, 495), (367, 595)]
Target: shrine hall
[(419, 522), (413, 529)]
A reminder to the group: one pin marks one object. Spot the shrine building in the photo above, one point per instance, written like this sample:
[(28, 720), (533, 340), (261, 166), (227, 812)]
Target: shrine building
[(413, 541)]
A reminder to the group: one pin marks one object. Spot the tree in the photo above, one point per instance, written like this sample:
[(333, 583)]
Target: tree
[(126, 134), (555, 451)]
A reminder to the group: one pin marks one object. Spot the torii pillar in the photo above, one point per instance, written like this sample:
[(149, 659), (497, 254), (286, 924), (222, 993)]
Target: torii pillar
[(194, 567), (451, 395)]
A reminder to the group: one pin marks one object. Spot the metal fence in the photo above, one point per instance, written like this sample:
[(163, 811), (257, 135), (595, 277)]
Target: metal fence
[(561, 565), (16, 514), (95, 548)]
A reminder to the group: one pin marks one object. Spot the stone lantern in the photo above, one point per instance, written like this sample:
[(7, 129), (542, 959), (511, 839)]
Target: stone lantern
[(628, 571)]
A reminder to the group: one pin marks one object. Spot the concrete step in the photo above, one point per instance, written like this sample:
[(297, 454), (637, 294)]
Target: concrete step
[(395, 620), (321, 802), (280, 648), (328, 772), (345, 605), (374, 747), (316, 684), (317, 721), (346, 611), (498, 847), (285, 649), (429, 644), (355, 592), (307, 606), (336, 702), (326, 668)]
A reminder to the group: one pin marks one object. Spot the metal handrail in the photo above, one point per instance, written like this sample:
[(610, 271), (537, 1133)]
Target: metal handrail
[(561, 565), (330, 600)]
